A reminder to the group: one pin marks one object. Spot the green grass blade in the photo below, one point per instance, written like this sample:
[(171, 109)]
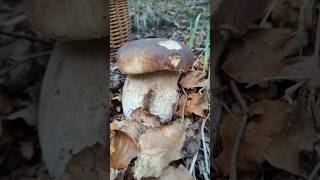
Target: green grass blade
[(193, 32), (207, 48)]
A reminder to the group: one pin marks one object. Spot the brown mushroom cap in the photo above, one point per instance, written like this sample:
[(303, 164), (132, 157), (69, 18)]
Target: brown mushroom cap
[(154, 54)]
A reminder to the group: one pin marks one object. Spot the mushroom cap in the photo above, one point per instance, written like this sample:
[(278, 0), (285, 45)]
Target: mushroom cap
[(154, 54)]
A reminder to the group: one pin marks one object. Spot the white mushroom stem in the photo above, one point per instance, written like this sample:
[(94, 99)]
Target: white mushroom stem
[(156, 91)]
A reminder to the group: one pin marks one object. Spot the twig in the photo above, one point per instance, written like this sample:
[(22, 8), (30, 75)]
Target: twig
[(240, 132), (203, 139), (274, 3), (314, 172), (26, 60), (198, 58), (238, 96), (230, 112), (21, 36), (184, 104), (202, 170), (194, 159)]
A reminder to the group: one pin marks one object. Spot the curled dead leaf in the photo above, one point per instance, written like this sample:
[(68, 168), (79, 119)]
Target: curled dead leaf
[(122, 149), (194, 79), (159, 146), (195, 103), (297, 68), (139, 121), (268, 121)]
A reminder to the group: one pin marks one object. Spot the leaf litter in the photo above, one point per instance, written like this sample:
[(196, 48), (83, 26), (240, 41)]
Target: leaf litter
[(23, 60), (273, 112), (167, 150)]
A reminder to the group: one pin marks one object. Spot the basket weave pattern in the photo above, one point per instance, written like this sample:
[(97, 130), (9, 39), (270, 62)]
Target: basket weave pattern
[(119, 24)]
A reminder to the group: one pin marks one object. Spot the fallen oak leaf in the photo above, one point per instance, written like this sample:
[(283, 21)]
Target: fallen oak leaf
[(139, 121), (285, 151), (195, 103), (122, 149), (268, 120), (193, 79), (158, 148)]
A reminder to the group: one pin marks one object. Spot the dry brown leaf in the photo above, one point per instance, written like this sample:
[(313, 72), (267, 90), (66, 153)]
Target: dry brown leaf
[(122, 149), (180, 172), (268, 119), (271, 135), (196, 103), (238, 14), (139, 121), (285, 151), (297, 68), (88, 164), (193, 79), (159, 146), (258, 54)]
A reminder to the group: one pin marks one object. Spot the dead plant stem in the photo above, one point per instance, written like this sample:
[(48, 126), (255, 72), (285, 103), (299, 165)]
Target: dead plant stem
[(240, 132)]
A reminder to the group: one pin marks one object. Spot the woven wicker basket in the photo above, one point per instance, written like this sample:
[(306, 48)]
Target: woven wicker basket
[(119, 25)]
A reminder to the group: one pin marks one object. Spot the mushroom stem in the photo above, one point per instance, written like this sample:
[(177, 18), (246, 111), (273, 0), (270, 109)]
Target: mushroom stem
[(156, 91)]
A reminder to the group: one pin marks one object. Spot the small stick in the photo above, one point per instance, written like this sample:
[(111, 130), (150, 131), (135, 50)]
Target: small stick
[(203, 138), (265, 18), (314, 172), (230, 112), (240, 132), (21, 36), (184, 104), (194, 159)]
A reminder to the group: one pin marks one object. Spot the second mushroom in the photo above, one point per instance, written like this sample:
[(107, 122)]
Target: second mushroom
[(153, 67)]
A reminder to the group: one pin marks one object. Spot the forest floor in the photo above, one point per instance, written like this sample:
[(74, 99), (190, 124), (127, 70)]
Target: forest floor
[(267, 90), (266, 87), (23, 60), (162, 19)]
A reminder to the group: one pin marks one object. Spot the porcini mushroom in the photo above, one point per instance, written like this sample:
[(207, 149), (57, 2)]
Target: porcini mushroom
[(153, 67), (71, 110), (66, 20)]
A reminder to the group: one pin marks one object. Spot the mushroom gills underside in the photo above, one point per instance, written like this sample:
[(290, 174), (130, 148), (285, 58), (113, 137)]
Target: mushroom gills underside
[(156, 91)]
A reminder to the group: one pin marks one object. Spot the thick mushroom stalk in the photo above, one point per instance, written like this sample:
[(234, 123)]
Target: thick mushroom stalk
[(153, 67), (156, 91)]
